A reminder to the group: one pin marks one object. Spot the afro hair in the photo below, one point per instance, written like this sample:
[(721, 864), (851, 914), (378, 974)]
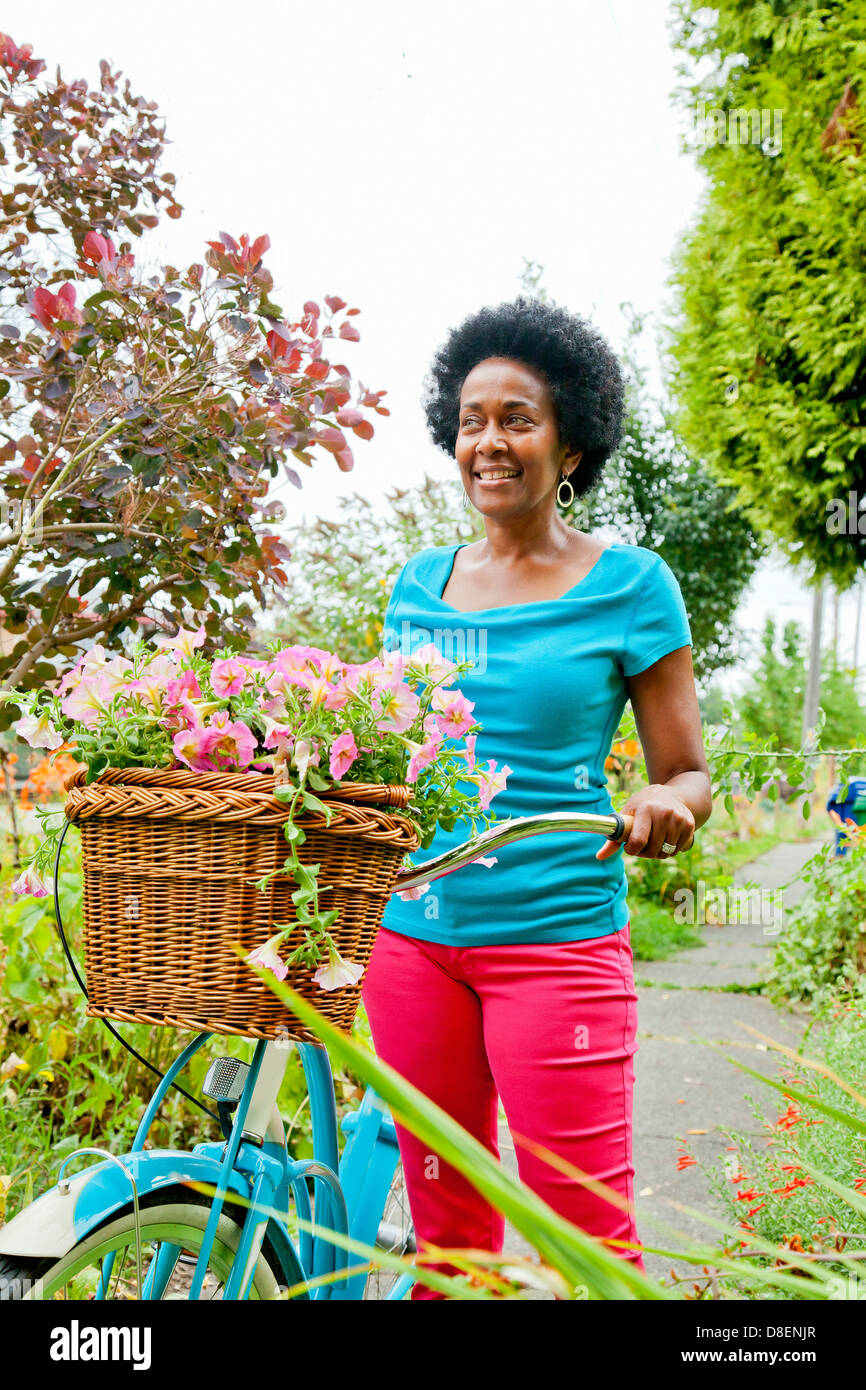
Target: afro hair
[(582, 372)]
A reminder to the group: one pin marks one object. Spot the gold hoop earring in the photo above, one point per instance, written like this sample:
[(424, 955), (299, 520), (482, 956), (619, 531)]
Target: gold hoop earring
[(565, 501)]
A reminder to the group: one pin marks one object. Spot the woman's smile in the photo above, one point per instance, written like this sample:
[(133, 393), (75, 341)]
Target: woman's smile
[(496, 477)]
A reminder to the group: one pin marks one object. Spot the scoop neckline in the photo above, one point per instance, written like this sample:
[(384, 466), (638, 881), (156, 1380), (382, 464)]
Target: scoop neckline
[(503, 607)]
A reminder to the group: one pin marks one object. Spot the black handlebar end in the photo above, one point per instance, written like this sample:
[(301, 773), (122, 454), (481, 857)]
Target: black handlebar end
[(620, 826)]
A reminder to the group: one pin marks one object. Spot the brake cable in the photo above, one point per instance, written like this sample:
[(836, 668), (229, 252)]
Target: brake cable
[(58, 921)]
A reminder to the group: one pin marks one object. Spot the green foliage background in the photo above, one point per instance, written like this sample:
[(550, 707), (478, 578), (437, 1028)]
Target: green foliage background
[(773, 702), (767, 351)]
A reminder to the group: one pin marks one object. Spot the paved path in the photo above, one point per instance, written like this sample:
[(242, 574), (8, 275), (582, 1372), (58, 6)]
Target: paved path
[(681, 1083)]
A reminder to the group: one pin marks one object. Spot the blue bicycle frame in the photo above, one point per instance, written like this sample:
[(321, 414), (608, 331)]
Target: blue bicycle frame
[(251, 1167)]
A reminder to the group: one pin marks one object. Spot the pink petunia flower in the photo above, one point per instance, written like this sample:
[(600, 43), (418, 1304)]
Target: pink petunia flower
[(278, 732), (184, 684), (344, 753), (38, 731), (338, 972), (30, 884), (266, 958), (182, 714), (115, 675), (94, 659), (86, 702), (194, 746), (154, 680), (454, 712), (423, 754), (429, 663), (319, 689), (330, 666), (292, 660), (227, 677), (491, 782), (359, 674), (398, 707), (235, 745), (185, 642), (411, 894), (469, 752), (337, 697), (305, 754)]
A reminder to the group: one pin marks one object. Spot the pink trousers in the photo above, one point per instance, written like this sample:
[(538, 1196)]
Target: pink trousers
[(551, 1029)]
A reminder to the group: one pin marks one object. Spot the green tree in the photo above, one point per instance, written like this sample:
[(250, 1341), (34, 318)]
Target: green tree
[(772, 703), (655, 495), (711, 703), (767, 359)]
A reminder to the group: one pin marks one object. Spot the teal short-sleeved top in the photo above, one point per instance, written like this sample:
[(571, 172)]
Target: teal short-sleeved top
[(549, 686)]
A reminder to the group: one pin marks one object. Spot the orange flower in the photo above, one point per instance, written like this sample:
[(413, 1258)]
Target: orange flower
[(46, 778), (685, 1161)]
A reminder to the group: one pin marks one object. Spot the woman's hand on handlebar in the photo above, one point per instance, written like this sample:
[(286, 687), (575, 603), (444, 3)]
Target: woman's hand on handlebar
[(658, 818)]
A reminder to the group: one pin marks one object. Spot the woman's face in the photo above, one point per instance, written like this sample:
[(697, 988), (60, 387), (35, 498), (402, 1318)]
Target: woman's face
[(508, 445)]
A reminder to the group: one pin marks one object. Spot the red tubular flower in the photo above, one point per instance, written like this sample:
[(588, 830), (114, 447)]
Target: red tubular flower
[(749, 1195), (685, 1161), (752, 1210), (791, 1117), (792, 1186)]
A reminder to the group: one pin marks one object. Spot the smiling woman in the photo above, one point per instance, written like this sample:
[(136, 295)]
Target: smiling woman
[(516, 980)]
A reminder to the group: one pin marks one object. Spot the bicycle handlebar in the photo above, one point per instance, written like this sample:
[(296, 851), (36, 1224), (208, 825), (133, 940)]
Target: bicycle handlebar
[(616, 826)]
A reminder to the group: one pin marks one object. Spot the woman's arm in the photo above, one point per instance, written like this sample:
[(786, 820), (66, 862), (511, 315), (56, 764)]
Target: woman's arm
[(679, 797)]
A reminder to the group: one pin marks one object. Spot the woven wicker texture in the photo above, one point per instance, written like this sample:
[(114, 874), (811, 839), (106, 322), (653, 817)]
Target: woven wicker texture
[(169, 861)]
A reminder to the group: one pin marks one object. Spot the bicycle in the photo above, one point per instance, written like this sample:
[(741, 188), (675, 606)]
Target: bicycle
[(236, 1219)]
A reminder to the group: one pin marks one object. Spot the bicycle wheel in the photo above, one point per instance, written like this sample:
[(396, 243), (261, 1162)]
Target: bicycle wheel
[(171, 1216), (396, 1235)]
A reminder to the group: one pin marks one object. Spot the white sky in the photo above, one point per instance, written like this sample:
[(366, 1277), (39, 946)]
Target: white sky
[(408, 157)]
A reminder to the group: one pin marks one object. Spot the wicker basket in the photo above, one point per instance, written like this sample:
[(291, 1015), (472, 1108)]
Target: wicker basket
[(168, 860)]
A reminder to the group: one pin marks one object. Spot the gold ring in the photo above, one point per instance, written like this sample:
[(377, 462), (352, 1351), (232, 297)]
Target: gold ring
[(668, 849)]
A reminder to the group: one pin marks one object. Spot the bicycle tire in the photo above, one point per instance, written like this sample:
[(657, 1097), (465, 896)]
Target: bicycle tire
[(169, 1211)]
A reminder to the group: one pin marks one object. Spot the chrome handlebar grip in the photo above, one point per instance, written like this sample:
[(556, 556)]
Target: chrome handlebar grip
[(611, 827)]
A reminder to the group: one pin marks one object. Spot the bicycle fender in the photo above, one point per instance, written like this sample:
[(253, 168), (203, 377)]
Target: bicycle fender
[(57, 1220)]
